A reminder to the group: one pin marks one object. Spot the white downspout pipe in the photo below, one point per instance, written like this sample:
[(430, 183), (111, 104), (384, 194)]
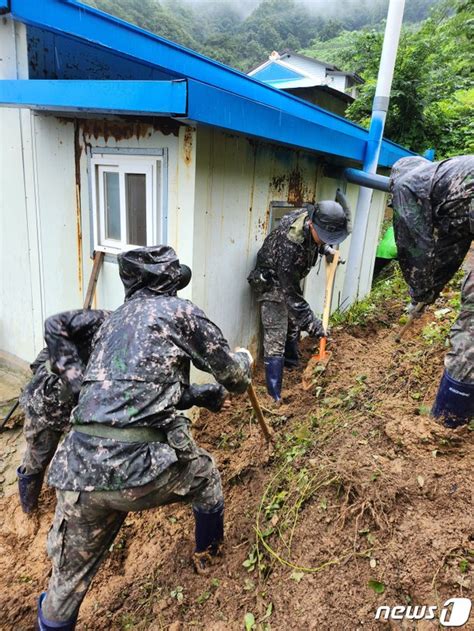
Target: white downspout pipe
[(379, 112)]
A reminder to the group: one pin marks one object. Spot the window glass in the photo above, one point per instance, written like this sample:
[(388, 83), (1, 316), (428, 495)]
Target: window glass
[(135, 193), (127, 196), (112, 205)]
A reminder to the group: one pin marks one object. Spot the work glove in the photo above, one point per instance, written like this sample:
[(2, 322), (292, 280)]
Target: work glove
[(316, 329), (210, 396), (328, 252), (241, 349)]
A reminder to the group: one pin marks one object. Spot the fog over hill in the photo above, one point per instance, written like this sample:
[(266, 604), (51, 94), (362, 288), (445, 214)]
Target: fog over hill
[(242, 33)]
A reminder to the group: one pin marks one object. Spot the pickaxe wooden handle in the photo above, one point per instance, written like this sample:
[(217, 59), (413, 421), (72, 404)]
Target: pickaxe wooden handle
[(98, 260), (259, 414)]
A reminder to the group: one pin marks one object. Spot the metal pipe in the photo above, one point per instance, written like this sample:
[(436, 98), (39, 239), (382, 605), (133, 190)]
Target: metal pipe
[(370, 180), (379, 112)]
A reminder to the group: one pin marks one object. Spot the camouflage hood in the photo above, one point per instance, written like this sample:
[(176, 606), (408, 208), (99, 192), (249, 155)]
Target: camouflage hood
[(406, 166), (156, 268)]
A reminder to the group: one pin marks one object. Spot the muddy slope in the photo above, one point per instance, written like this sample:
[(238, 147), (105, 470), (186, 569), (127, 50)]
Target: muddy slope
[(363, 486)]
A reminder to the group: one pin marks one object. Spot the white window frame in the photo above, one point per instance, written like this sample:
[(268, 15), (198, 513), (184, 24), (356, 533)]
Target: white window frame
[(121, 161)]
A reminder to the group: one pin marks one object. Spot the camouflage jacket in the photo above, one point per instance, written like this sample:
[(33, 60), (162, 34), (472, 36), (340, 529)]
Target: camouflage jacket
[(285, 258), (137, 373), (433, 220), (58, 369)]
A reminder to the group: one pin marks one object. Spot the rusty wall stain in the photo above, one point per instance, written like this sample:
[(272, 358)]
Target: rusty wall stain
[(188, 145), (126, 128), (295, 187), (278, 183), (77, 165)]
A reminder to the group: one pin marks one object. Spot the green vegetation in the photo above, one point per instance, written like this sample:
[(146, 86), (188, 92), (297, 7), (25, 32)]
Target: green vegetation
[(432, 102), (365, 311)]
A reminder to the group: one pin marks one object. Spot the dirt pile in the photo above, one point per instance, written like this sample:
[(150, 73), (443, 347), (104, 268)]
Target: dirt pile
[(364, 502)]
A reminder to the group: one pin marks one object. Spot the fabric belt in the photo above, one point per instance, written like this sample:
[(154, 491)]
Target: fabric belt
[(122, 434)]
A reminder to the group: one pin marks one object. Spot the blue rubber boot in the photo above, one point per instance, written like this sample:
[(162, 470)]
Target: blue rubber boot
[(454, 403), (274, 376), (291, 354), (209, 536), (29, 488), (47, 625)]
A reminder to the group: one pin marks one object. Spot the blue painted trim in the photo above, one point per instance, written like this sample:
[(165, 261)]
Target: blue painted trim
[(4, 6), (117, 97), (97, 28), (211, 106)]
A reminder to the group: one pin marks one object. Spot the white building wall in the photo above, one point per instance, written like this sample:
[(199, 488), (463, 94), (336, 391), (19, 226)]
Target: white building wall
[(338, 82), (20, 278), (311, 68)]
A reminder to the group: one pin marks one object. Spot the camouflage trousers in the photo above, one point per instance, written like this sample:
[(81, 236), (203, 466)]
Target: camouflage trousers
[(459, 361), (278, 327), (86, 524)]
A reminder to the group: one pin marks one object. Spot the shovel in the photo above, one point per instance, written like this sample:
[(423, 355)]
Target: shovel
[(323, 357)]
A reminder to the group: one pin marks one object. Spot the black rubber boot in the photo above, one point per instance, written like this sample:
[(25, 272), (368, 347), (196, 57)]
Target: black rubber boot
[(209, 536), (274, 376), (29, 488), (291, 354), (50, 625)]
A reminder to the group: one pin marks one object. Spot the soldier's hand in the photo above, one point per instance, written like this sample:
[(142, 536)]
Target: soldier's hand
[(240, 349), (316, 329), (415, 309)]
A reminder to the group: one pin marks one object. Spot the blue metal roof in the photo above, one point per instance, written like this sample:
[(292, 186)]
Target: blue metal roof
[(72, 41), (276, 72)]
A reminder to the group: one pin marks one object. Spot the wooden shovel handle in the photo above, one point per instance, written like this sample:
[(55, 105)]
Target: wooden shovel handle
[(259, 414), (330, 276)]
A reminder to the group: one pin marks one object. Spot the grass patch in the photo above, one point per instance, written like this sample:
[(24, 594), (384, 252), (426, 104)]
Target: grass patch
[(363, 311)]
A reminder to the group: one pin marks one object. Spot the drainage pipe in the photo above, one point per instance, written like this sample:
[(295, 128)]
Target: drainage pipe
[(370, 180), (352, 289)]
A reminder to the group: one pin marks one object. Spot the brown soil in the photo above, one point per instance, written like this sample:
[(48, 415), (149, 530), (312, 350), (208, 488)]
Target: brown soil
[(389, 498)]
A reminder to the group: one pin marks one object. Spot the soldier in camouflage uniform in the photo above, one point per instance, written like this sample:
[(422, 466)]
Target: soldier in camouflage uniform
[(285, 258), (130, 448), (48, 399), (434, 227)]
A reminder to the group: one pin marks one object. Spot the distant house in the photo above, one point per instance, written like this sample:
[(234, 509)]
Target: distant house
[(316, 81), (112, 137)]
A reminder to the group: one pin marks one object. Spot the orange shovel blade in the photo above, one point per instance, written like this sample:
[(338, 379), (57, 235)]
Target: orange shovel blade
[(320, 358)]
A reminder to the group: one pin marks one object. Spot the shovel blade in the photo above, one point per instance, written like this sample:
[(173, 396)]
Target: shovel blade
[(321, 360)]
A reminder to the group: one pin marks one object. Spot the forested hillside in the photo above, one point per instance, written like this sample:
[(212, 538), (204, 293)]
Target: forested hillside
[(433, 93)]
